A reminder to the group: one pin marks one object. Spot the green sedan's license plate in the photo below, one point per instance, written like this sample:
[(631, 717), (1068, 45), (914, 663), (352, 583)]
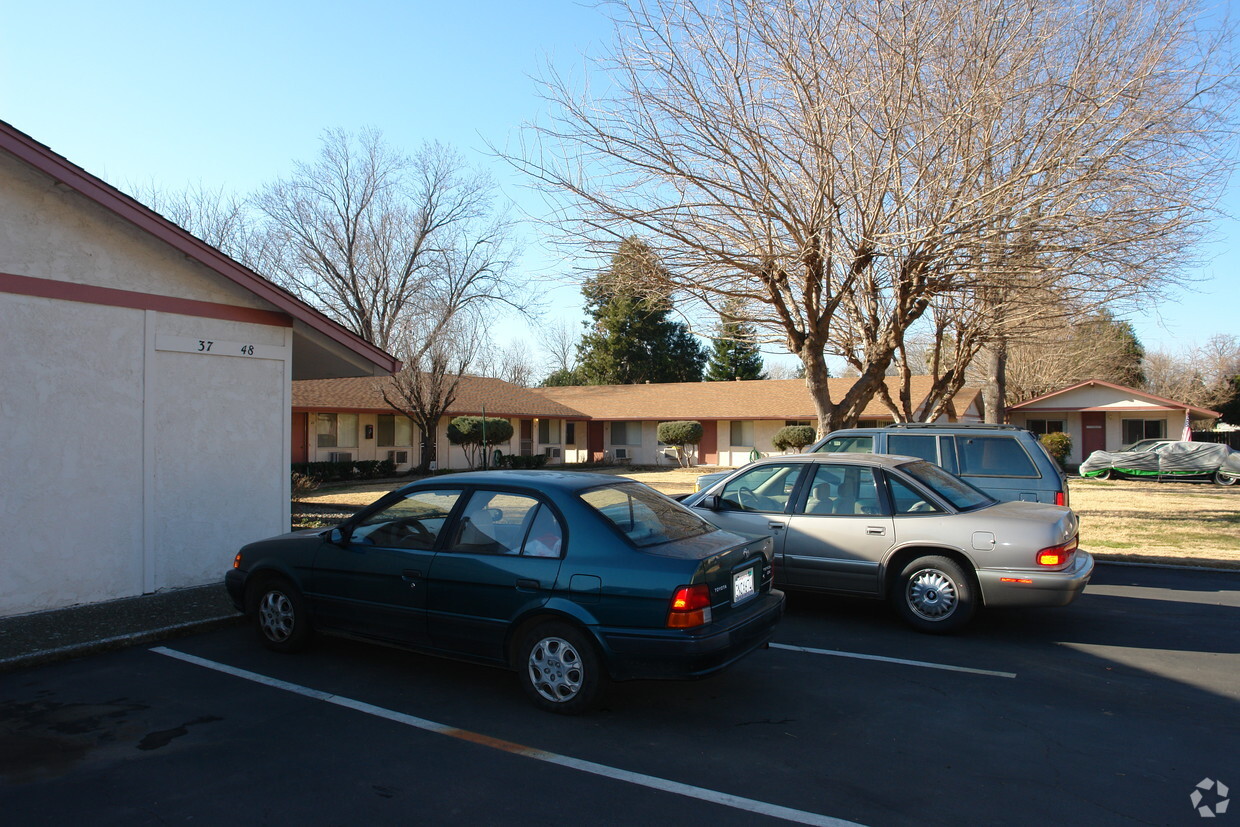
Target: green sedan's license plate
[(742, 585)]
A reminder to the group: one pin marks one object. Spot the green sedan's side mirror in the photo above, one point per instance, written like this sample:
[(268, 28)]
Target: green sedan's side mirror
[(338, 536)]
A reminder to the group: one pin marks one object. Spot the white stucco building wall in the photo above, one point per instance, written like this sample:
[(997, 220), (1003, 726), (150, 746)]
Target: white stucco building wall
[(144, 395)]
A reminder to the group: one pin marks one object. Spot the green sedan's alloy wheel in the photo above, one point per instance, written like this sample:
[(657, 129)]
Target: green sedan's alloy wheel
[(933, 594), (283, 624), (1224, 479), (559, 668)]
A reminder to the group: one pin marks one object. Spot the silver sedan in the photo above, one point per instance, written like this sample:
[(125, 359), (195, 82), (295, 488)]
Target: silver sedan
[(903, 529)]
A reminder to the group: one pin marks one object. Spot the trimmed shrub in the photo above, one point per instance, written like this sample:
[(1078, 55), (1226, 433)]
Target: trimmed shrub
[(794, 436), (518, 462), (680, 434), (467, 432), (1058, 445)]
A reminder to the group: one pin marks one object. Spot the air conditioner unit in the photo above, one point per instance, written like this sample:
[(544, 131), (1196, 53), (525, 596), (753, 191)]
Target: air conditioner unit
[(398, 457), (551, 451), (340, 456), (622, 453)]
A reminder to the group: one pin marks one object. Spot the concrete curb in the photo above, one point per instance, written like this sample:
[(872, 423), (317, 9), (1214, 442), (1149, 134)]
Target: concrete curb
[(1156, 564), (45, 656)]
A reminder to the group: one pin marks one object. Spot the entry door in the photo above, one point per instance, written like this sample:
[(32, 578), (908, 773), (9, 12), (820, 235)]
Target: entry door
[(594, 441), (708, 448), (1094, 428), (527, 437), (301, 443)]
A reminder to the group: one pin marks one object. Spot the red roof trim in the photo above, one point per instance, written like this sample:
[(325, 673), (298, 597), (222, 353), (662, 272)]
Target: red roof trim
[(74, 177), (1170, 403), (112, 297)]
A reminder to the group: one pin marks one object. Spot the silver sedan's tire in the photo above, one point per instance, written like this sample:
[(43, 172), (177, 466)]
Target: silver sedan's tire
[(559, 668), (282, 620), (934, 594)]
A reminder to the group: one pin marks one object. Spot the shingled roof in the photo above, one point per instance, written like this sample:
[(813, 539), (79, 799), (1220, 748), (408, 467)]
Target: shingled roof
[(756, 399), (473, 395), (752, 399)]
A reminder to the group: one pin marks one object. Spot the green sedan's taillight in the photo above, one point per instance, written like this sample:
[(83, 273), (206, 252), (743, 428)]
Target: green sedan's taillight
[(690, 607)]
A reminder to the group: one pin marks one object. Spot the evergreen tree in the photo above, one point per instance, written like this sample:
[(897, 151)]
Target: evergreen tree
[(631, 338), (735, 356)]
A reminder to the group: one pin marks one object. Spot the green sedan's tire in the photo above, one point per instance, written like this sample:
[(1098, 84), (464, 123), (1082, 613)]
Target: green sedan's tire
[(934, 595), (559, 668), (1224, 479), (283, 622)]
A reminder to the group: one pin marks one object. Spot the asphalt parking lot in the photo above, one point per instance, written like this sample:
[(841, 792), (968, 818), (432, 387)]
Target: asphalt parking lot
[(1111, 710)]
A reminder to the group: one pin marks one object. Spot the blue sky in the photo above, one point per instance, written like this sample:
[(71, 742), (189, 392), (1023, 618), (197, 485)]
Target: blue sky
[(229, 94)]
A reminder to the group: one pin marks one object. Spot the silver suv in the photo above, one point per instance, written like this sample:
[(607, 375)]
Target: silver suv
[(1005, 461)]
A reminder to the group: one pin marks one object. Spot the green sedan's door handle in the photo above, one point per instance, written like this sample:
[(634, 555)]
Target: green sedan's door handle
[(775, 526), (524, 585), (411, 576)]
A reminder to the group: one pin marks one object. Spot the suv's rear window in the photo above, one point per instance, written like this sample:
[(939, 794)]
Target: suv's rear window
[(923, 446), (993, 456), (848, 445), (645, 516)]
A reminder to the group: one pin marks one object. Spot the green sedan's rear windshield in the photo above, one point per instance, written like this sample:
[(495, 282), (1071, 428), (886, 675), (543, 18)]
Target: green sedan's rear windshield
[(953, 489), (645, 516)]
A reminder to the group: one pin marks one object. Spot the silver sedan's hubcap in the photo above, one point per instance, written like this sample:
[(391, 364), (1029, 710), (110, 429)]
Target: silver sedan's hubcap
[(275, 615), (555, 669), (932, 594)]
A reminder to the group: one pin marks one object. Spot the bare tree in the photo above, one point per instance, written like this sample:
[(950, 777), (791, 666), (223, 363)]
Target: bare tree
[(374, 238), (222, 219), (511, 363), (837, 167), (434, 365), (560, 339), (1206, 375)]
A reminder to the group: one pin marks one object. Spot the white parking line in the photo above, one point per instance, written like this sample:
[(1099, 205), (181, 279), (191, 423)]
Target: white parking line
[(653, 782), (922, 663)]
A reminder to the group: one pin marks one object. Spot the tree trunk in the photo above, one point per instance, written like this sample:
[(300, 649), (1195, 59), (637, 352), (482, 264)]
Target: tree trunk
[(818, 383), (429, 431), (994, 389)]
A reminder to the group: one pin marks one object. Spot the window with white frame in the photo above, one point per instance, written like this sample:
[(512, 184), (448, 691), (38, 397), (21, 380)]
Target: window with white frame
[(742, 433), (1136, 429), (336, 430), (626, 433), (549, 431), (394, 430), (1041, 427)]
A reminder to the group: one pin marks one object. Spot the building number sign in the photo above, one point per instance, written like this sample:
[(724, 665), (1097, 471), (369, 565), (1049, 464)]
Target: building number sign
[(215, 347)]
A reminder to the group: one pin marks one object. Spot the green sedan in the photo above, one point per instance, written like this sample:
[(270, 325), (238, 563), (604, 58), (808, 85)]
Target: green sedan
[(570, 579)]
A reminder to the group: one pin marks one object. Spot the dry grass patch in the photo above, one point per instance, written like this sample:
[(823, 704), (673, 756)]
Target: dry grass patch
[(1142, 521)]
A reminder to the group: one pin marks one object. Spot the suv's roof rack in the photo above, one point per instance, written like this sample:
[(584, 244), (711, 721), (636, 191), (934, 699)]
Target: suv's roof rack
[(981, 426)]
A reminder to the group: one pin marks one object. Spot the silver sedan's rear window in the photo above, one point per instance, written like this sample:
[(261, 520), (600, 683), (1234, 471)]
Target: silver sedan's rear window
[(954, 490), (645, 516)]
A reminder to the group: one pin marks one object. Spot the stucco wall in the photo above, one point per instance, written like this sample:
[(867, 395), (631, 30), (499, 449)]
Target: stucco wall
[(70, 454), (131, 463)]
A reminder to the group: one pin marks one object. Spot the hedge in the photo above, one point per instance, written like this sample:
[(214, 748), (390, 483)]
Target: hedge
[(333, 471)]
